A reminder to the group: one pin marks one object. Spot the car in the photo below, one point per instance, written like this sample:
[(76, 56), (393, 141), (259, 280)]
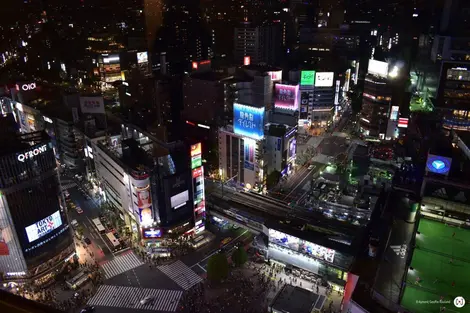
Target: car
[(225, 241), (79, 210), (146, 300), (311, 167), (88, 309), (87, 240)]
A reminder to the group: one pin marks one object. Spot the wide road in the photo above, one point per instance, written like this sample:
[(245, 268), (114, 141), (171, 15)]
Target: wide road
[(99, 246)]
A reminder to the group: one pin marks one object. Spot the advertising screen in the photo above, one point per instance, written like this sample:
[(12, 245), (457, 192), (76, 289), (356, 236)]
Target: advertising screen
[(145, 215), (249, 149), (438, 164), (292, 148), (307, 78), (317, 251), (92, 105), (248, 121), (402, 122), (286, 97), (151, 233), (198, 172), (43, 227), (196, 149), (142, 57), (394, 113), (276, 76), (324, 79), (246, 60), (179, 200), (378, 68), (196, 161), (143, 197)]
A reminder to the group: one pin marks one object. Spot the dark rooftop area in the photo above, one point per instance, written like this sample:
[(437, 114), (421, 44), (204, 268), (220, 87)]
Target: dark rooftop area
[(210, 76), (10, 303)]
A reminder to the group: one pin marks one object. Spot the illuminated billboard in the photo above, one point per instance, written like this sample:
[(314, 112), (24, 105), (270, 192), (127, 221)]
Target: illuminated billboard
[(248, 121), (44, 226), (438, 164), (145, 215), (196, 149), (179, 200), (142, 57), (378, 68), (307, 78), (291, 152), (249, 152), (324, 79), (246, 60), (402, 122), (143, 197), (286, 97), (394, 113), (151, 233), (276, 76)]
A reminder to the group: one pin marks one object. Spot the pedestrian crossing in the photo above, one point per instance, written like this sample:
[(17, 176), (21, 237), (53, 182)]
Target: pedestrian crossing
[(121, 264), (185, 277), (130, 297)]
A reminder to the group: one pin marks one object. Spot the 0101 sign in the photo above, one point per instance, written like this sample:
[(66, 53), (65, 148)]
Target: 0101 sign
[(26, 87)]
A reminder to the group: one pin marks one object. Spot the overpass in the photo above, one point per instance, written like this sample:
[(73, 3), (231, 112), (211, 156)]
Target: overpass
[(256, 212)]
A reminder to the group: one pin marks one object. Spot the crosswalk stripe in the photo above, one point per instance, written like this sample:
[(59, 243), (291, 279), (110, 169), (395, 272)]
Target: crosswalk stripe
[(68, 186), (129, 297), (121, 264), (181, 274)]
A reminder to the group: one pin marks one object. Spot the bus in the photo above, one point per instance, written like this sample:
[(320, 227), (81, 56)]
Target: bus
[(113, 240), (98, 225), (78, 280)]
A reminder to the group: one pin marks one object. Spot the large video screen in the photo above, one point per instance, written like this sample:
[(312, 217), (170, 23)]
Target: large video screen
[(378, 68), (44, 226), (248, 121), (324, 79), (179, 200)]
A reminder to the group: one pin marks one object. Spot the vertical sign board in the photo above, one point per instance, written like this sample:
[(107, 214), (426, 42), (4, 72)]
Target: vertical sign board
[(307, 78), (199, 208), (249, 152), (246, 60)]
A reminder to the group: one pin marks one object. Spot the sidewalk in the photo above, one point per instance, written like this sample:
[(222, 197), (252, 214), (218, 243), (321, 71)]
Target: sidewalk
[(280, 278)]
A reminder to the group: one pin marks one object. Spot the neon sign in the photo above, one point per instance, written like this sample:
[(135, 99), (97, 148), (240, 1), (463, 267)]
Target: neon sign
[(32, 153), (438, 164)]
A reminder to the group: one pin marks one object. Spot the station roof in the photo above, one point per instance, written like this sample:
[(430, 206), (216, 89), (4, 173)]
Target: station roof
[(293, 299)]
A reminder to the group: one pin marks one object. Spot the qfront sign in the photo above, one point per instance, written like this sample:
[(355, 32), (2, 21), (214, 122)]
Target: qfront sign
[(32, 153)]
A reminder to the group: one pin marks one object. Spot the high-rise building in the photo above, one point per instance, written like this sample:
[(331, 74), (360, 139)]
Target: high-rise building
[(376, 100), (453, 95), (34, 232)]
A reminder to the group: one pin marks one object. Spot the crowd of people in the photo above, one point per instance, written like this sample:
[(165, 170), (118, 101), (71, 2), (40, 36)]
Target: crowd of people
[(237, 294)]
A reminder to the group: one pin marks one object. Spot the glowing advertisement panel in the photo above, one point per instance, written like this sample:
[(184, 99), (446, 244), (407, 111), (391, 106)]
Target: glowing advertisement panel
[(378, 68), (307, 78), (301, 246), (179, 200), (286, 97), (275, 76), (292, 148), (394, 113), (324, 79), (44, 226), (196, 150), (142, 57), (151, 233), (248, 121), (249, 152), (438, 164), (143, 197)]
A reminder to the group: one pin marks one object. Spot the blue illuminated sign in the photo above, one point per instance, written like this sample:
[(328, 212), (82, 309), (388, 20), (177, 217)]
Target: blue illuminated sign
[(438, 164), (248, 121)]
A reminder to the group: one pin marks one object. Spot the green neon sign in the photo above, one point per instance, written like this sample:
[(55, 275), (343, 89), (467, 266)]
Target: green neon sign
[(307, 78)]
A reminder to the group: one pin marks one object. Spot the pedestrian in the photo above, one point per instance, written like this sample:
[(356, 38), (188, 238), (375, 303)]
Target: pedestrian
[(453, 283), (451, 261), (453, 234), (436, 280)]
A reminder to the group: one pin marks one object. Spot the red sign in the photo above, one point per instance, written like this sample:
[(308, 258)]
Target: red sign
[(194, 65), (402, 122), (196, 150), (197, 172), (205, 62), (246, 60)]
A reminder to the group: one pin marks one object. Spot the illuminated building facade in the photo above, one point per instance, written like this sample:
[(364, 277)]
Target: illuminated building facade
[(376, 101), (35, 238), (453, 95)]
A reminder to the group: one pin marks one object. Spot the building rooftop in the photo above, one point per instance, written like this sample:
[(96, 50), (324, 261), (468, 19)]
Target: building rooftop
[(262, 68), (292, 299), (210, 76)]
